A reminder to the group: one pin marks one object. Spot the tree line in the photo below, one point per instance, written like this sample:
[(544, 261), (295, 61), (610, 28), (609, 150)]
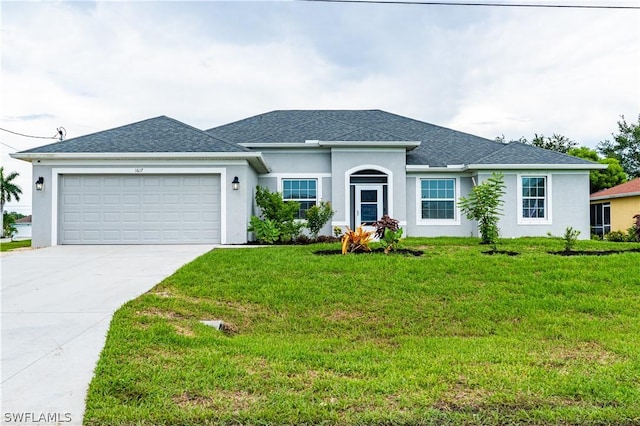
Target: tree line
[(621, 154)]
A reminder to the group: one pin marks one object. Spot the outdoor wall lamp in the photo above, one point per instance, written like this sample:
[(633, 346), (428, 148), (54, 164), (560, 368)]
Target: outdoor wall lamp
[(235, 184), (40, 184)]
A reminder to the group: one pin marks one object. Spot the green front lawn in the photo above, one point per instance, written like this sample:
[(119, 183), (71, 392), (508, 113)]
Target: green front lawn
[(452, 337), (12, 245)]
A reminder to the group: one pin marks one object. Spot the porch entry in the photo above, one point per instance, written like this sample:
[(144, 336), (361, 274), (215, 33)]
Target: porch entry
[(368, 197)]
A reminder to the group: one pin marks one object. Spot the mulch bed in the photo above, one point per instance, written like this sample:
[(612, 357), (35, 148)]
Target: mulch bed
[(593, 253), (402, 252), (508, 253)]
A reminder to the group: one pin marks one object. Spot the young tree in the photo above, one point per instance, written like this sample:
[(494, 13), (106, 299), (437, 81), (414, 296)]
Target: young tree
[(625, 147), (484, 204), (318, 216), (8, 190)]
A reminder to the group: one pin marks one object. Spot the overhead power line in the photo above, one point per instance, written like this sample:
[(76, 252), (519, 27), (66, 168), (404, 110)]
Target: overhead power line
[(9, 146), (485, 4), (60, 134)]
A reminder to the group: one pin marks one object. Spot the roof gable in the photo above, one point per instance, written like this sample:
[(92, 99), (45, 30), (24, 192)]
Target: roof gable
[(160, 134)]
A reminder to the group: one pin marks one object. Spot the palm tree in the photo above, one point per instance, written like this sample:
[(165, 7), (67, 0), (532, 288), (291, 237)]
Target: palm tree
[(8, 190)]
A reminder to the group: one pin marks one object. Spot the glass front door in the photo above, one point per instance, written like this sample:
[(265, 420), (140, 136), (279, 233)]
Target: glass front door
[(368, 204)]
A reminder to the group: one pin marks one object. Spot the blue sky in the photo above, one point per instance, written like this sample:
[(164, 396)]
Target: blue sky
[(90, 66)]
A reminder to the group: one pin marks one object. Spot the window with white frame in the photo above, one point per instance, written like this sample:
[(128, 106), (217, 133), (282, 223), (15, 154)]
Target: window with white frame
[(534, 197), (303, 191), (438, 199)]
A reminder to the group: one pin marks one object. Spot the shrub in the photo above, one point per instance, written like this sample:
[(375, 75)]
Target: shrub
[(8, 225), (281, 213), (389, 232), (616, 236), (633, 234), (570, 237), (318, 216), (386, 222), (356, 241), (266, 230), (484, 205)]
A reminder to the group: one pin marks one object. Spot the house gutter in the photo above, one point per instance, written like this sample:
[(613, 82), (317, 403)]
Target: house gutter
[(255, 159), (471, 167), (408, 145), (586, 166)]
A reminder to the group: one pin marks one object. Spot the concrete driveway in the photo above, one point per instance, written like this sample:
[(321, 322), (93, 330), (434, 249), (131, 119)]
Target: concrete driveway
[(57, 304)]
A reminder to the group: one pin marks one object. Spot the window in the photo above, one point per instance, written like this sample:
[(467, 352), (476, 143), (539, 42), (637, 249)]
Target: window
[(438, 198), (534, 197), (304, 191), (601, 219)]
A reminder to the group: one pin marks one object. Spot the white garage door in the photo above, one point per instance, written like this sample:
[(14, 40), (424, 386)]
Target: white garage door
[(139, 209)]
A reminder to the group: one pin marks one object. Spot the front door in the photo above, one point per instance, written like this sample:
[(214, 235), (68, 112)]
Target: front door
[(368, 205)]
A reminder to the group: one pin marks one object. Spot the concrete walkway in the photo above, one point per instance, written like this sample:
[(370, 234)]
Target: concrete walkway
[(57, 304)]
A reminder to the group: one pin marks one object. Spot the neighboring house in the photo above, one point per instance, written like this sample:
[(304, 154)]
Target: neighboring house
[(612, 209), (23, 228), (161, 181), (24, 220)]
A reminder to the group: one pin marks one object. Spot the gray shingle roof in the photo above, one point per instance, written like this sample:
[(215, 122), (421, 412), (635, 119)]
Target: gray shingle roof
[(519, 153), (160, 134), (439, 146)]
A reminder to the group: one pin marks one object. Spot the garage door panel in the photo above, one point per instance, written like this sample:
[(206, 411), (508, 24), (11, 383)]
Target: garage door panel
[(131, 217), (92, 235), (112, 235), (91, 199), (139, 209), (91, 217), (111, 199), (151, 181), (190, 199), (171, 181), (112, 182), (131, 182), (131, 200), (131, 236), (111, 217), (154, 199), (92, 182)]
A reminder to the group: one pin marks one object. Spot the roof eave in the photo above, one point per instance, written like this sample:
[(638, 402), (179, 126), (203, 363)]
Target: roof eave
[(408, 145), (427, 168), (609, 197), (593, 166), (254, 158)]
